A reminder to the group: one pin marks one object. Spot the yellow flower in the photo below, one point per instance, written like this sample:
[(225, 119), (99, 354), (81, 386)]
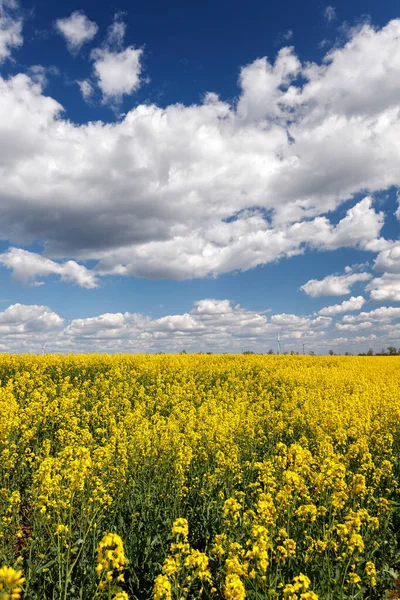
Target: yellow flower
[(354, 579), (370, 571), (61, 529), (232, 509), (285, 456), (10, 583), (301, 585), (180, 527), (234, 588), (111, 559), (162, 588)]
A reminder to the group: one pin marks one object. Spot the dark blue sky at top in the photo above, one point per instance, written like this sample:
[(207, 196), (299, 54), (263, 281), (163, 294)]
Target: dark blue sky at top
[(190, 48)]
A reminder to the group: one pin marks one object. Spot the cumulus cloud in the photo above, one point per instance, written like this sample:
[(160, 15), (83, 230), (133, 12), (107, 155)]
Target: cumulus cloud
[(117, 70), (210, 325), (77, 30), (354, 303), (191, 191), (210, 321), (383, 313), (385, 288), (358, 339), (216, 325), (297, 322), (10, 28), (28, 266), (117, 73), (20, 319), (353, 327), (243, 243), (389, 260), (334, 285), (384, 320)]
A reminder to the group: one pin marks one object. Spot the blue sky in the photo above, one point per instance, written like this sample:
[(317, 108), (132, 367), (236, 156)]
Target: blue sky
[(199, 176)]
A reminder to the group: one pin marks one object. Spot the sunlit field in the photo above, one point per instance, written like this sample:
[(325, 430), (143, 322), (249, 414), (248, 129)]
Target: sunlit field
[(199, 476)]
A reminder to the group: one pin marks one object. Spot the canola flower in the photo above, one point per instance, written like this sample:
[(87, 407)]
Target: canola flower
[(10, 583), (111, 562), (218, 477)]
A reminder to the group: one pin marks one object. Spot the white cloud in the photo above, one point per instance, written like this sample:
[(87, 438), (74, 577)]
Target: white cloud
[(383, 313), (211, 325), (20, 319), (385, 288), (382, 319), (261, 84), (10, 28), (289, 324), (216, 325), (241, 244), (116, 32), (117, 73), (191, 191), (354, 303), (86, 89), (389, 260), (359, 339), (38, 74), (330, 13), (117, 70), (353, 327), (334, 285), (27, 266), (77, 30)]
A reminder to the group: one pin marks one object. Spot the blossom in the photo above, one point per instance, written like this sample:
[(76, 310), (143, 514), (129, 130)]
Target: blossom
[(10, 583)]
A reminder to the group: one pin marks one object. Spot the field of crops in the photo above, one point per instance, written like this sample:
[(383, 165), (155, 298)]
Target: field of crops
[(198, 476)]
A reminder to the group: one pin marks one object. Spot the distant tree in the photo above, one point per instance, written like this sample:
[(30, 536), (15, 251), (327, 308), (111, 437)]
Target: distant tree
[(248, 352), (370, 352), (183, 352), (347, 354), (331, 353), (311, 353), (392, 350), (270, 351)]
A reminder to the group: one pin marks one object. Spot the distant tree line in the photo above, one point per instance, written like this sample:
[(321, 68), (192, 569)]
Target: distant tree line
[(390, 351)]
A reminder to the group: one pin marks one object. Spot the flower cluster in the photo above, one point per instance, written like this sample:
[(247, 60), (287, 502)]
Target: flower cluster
[(111, 560), (225, 476), (10, 583)]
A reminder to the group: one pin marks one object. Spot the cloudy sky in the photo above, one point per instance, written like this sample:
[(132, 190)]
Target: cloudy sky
[(202, 176)]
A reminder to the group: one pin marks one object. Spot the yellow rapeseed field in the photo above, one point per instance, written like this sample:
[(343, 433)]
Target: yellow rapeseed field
[(177, 477)]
